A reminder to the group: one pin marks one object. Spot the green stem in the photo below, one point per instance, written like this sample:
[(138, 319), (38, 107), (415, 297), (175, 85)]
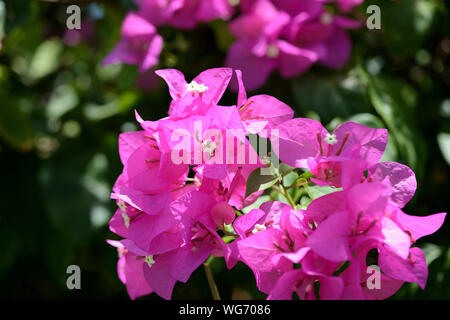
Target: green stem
[(288, 197), (229, 233), (210, 277), (298, 185)]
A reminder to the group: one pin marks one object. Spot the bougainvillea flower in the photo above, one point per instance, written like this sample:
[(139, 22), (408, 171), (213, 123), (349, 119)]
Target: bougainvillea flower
[(193, 214), (261, 111), (140, 44), (410, 269), (144, 159), (357, 276), (289, 36), (184, 14), (259, 49), (196, 96), (305, 143), (402, 180), (302, 281), (308, 139), (130, 268), (174, 215), (347, 5), (324, 34), (360, 217), (271, 240), (417, 226)]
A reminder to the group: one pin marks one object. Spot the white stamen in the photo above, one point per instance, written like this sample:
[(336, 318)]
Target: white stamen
[(272, 51), (122, 206), (126, 219), (234, 2), (196, 87), (149, 260), (326, 18), (330, 139), (258, 228), (209, 146)]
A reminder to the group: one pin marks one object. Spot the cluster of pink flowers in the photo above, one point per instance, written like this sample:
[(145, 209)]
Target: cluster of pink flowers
[(285, 35), (174, 215)]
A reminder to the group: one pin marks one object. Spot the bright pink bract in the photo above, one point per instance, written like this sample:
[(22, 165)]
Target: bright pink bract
[(285, 35), (173, 215)]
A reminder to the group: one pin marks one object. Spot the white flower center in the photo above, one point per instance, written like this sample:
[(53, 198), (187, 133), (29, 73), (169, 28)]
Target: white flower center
[(126, 219), (196, 87), (234, 2), (272, 51), (122, 206), (149, 260), (258, 228), (209, 146), (331, 139), (326, 18)]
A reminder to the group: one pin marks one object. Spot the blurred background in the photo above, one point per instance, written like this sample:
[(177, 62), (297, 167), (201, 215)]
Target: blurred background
[(61, 113)]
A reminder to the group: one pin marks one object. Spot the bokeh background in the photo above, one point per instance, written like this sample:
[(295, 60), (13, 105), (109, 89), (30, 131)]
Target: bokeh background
[(61, 113)]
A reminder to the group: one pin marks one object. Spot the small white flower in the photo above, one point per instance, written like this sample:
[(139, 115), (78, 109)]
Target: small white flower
[(272, 51), (209, 146), (331, 139), (126, 219), (196, 87), (258, 228), (149, 260)]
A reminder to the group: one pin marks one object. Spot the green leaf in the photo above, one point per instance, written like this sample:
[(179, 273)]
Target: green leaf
[(256, 204), (330, 95), (63, 99), (395, 101), (285, 169), (257, 182), (15, 125), (46, 59), (405, 24), (431, 251), (444, 144), (97, 112), (304, 202), (223, 36), (20, 10), (315, 191), (2, 20), (290, 178), (75, 190)]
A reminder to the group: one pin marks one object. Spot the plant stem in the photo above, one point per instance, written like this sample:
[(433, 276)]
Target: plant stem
[(210, 277), (278, 190), (298, 185), (288, 197)]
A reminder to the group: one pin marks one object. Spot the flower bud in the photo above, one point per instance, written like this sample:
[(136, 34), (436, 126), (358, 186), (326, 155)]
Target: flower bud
[(222, 213)]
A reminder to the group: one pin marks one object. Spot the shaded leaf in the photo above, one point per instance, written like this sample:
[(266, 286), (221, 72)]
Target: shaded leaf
[(15, 125), (444, 144), (257, 182), (46, 59)]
